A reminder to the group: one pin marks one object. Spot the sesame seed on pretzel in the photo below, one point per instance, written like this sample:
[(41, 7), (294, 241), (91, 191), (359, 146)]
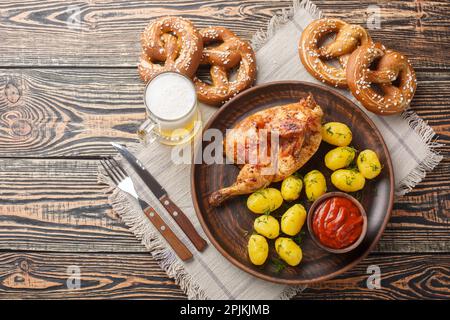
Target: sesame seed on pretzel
[(314, 53), (393, 74), (223, 51), (170, 44)]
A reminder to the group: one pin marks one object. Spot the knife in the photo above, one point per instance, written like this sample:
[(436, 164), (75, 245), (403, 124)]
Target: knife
[(124, 182), (180, 218)]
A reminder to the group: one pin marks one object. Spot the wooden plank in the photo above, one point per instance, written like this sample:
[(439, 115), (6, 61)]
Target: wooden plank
[(113, 276), (47, 33), (105, 276), (402, 277), (56, 205), (77, 112), (417, 28), (68, 112)]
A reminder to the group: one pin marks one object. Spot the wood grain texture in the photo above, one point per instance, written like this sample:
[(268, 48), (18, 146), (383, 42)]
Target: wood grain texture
[(105, 276), (106, 33), (50, 108), (68, 112), (125, 276), (402, 277), (418, 28), (56, 205), (77, 112)]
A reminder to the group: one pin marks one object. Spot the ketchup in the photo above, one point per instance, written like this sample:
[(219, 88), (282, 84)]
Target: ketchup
[(337, 222)]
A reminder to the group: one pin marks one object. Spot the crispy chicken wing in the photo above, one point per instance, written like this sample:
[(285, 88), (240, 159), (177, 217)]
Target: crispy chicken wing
[(251, 144)]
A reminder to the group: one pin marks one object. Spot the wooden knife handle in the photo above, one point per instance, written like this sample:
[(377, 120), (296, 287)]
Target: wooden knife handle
[(185, 224), (180, 249)]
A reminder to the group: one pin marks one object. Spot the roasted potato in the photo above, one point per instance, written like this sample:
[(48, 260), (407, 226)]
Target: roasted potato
[(293, 219), (339, 157), (337, 134), (368, 164), (315, 184), (291, 188), (265, 200), (348, 180), (258, 249), (267, 226), (288, 251)]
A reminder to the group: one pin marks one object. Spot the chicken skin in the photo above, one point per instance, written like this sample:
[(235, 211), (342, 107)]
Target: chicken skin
[(270, 145)]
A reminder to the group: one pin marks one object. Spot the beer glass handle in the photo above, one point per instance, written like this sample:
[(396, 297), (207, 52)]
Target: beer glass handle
[(147, 132)]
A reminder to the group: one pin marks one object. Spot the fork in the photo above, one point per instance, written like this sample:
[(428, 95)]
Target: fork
[(124, 183)]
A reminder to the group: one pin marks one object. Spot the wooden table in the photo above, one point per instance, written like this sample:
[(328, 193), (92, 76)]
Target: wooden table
[(66, 90)]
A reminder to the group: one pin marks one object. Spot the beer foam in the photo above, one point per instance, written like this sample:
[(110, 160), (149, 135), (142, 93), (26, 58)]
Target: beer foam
[(170, 96)]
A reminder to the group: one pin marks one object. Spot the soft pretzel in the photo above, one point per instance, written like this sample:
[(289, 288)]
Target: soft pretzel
[(230, 53), (313, 54), (392, 73), (170, 44)]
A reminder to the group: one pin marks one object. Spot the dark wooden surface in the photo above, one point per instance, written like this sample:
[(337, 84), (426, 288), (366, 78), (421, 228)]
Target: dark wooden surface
[(66, 92)]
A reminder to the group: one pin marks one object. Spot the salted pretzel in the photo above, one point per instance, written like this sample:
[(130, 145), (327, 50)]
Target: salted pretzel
[(313, 52), (170, 44), (392, 73), (223, 51)]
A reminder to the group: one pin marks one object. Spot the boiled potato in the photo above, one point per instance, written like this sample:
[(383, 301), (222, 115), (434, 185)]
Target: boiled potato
[(267, 226), (339, 157), (315, 184), (337, 134), (368, 164), (265, 200), (258, 249), (348, 180), (293, 219), (291, 188), (289, 251)]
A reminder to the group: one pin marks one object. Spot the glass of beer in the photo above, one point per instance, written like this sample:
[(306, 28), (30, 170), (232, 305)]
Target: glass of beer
[(172, 108)]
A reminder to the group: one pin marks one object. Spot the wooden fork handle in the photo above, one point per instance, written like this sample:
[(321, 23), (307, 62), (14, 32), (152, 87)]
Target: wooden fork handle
[(184, 223), (180, 249)]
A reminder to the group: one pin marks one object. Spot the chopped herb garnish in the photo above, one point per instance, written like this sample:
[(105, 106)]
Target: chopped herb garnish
[(297, 175), (330, 131), (278, 264), (349, 180), (299, 237), (261, 193), (362, 157)]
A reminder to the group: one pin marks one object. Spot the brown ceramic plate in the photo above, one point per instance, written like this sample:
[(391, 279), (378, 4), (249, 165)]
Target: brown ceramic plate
[(229, 226)]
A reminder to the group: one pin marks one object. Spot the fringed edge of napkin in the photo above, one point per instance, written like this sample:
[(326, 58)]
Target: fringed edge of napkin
[(143, 230), (432, 158), (140, 226), (420, 126), (279, 20)]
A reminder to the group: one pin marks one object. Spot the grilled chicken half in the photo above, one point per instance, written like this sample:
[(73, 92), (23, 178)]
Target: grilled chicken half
[(270, 145)]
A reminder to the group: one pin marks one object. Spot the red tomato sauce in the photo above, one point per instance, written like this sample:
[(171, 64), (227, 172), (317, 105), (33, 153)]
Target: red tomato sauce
[(337, 223)]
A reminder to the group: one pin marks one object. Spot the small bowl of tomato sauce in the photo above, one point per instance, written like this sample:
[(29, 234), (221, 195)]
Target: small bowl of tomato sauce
[(337, 222)]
